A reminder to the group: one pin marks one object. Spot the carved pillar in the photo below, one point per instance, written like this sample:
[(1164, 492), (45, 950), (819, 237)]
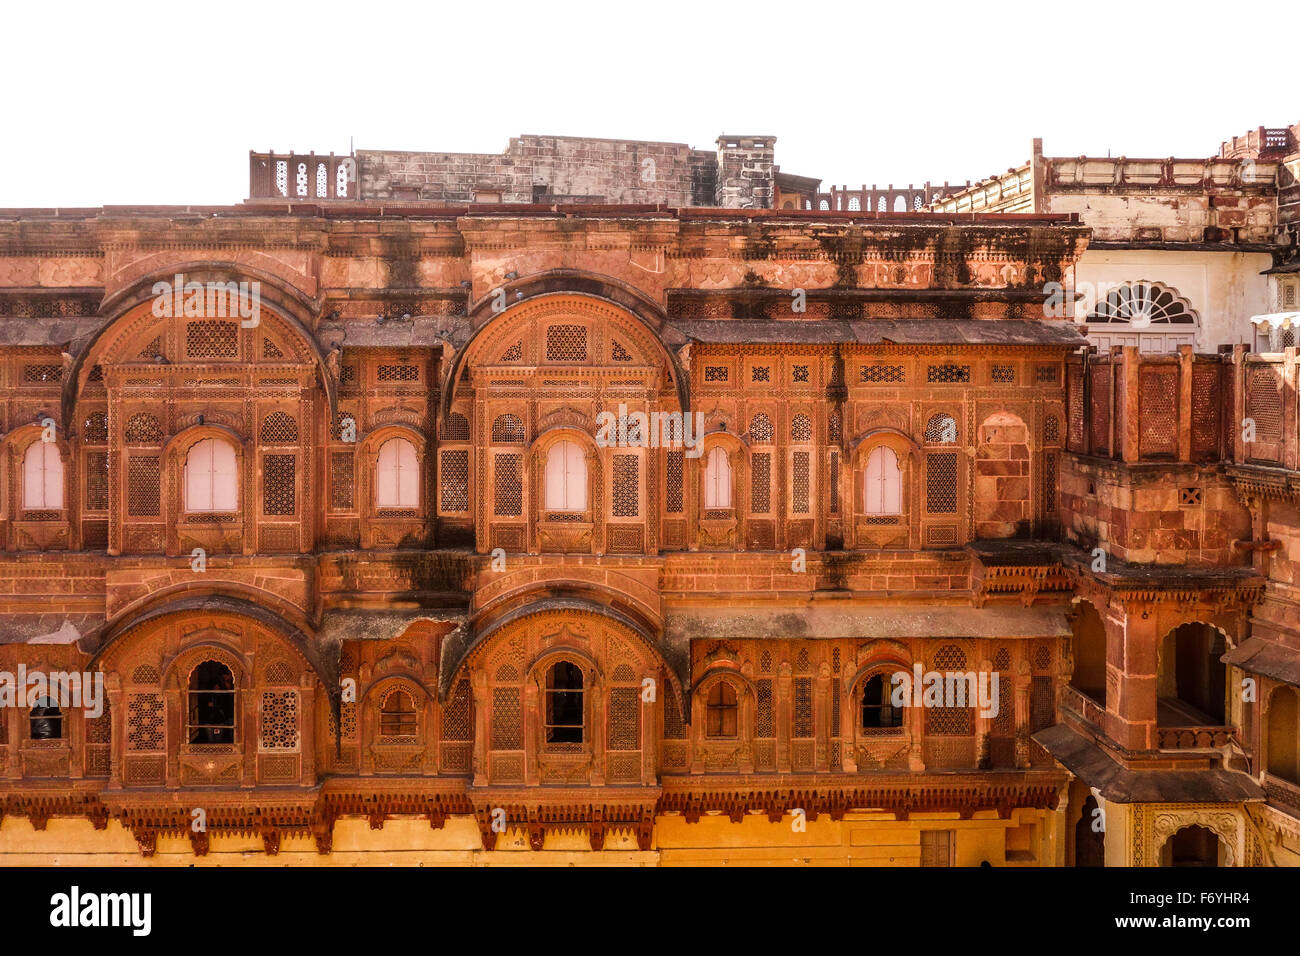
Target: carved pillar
[(480, 710), (1185, 402), (848, 729), (248, 741), (1125, 395), (822, 719), (649, 734), (532, 729), (597, 724), (307, 729), (784, 717), (116, 701)]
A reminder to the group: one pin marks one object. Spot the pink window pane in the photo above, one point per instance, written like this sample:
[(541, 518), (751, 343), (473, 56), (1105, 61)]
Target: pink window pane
[(225, 477), (884, 483), (717, 480), (42, 476), (211, 478), (397, 475), (566, 478)]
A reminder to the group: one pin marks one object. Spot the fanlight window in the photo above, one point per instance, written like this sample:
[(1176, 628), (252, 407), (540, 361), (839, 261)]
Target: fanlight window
[(211, 478), (566, 477), (884, 483), (212, 697), (397, 475), (717, 479), (1143, 303), (397, 715), (42, 476), (564, 713), (720, 711)]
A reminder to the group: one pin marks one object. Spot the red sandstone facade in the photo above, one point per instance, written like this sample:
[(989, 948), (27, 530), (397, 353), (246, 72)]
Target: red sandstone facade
[(683, 639)]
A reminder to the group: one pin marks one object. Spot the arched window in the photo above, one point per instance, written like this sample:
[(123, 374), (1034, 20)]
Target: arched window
[(45, 721), (566, 477), (212, 704), (855, 204), (42, 476), (823, 206), (882, 204), (900, 204), (720, 711), (879, 715), (564, 705), (397, 475), (717, 479), (801, 428), (760, 428), (397, 715), (211, 477), (884, 483)]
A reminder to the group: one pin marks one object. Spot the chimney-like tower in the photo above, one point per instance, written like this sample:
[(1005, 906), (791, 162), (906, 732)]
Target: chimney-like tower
[(745, 178)]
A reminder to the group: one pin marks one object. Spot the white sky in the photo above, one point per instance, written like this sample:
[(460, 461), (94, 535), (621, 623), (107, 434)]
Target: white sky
[(149, 103)]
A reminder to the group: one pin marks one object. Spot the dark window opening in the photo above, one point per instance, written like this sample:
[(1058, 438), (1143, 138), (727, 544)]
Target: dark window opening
[(46, 721), (211, 704), (878, 710), (397, 715), (720, 711), (564, 704)]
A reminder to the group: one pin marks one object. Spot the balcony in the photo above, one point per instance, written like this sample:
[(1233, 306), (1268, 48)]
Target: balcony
[(1232, 407)]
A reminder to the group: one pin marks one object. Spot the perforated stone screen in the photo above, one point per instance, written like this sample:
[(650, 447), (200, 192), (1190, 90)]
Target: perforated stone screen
[(760, 497), (800, 482), (341, 481), (279, 720), (278, 498), (143, 429), (626, 486), (97, 481), (941, 483), (566, 343), (212, 339), (279, 428), (880, 374), (142, 486), (454, 481), (673, 479), (624, 718), (508, 497), (457, 428)]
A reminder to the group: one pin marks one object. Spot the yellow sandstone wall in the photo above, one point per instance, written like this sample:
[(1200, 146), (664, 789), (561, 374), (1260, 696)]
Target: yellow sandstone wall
[(860, 839)]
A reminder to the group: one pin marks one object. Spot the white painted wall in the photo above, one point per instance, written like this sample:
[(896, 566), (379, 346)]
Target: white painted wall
[(1225, 288)]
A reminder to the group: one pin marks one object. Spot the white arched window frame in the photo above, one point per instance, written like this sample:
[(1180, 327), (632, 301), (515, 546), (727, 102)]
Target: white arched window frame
[(211, 478), (566, 477), (883, 483), (397, 476), (42, 477), (717, 479)]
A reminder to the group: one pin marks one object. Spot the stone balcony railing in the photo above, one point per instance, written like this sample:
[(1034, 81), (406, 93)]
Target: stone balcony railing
[(1084, 707), (1194, 738), (1233, 407)]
